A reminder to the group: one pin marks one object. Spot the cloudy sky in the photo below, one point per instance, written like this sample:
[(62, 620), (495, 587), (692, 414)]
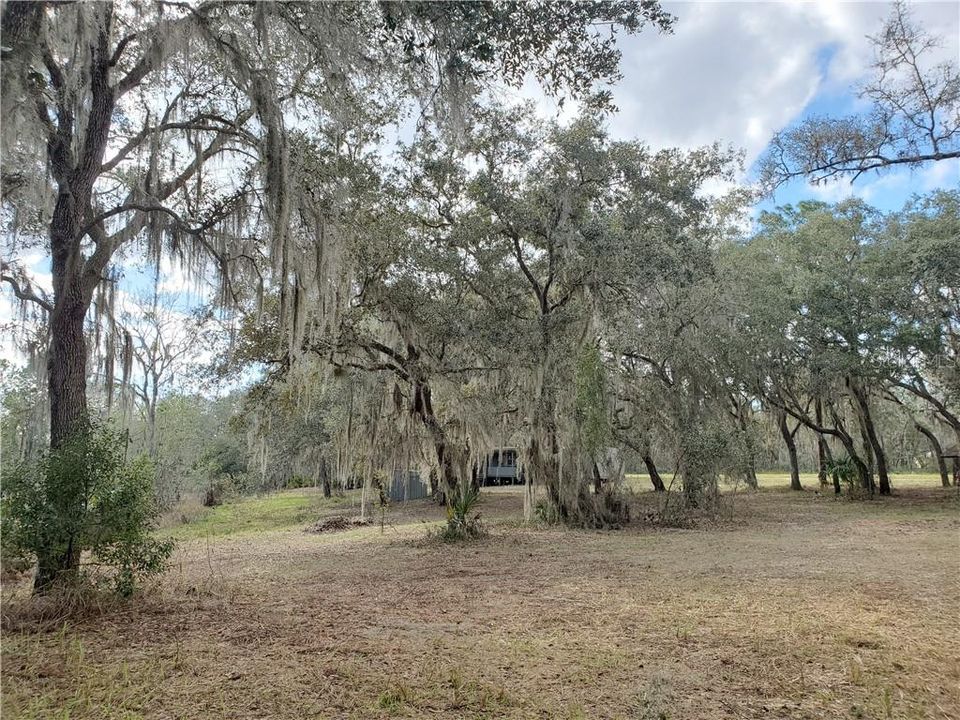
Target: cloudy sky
[(740, 71), (737, 72)]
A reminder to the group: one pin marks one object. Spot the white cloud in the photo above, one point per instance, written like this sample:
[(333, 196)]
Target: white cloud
[(832, 192), (942, 174), (738, 71)]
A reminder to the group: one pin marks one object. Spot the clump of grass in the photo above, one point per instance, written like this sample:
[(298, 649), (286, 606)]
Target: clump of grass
[(887, 704), (856, 670), (394, 699), (653, 700), (63, 604)]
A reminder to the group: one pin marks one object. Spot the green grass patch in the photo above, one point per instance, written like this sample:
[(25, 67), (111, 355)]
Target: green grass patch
[(274, 511), (899, 480), (780, 479)]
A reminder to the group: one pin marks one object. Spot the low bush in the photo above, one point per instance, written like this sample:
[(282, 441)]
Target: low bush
[(845, 471), (216, 492), (83, 512), (462, 522), (297, 482)]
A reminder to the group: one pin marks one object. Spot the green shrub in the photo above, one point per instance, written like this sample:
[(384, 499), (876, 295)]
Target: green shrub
[(216, 492), (221, 488), (845, 470), (296, 482), (462, 522), (83, 510)]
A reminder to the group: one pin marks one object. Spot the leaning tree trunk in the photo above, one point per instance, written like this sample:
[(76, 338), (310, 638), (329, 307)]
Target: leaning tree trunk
[(869, 483), (652, 472), (873, 439), (956, 460), (883, 472), (791, 451), (823, 460), (863, 469), (937, 452)]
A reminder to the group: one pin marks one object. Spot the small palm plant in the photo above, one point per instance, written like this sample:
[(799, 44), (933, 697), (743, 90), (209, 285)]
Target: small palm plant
[(844, 470), (462, 522)]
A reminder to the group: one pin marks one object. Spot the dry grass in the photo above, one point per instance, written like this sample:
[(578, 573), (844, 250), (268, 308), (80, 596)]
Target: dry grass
[(802, 607)]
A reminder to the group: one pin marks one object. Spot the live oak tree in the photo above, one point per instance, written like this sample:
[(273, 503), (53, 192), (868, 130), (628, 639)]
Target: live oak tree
[(921, 294), (509, 252), (542, 227), (842, 310), (667, 312), (913, 116), (115, 114)]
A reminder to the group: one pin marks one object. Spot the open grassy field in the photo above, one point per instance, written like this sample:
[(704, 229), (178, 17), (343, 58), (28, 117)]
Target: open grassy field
[(798, 606), (781, 481)]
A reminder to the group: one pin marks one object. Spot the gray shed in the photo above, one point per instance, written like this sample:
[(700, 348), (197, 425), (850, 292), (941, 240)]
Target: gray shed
[(407, 485)]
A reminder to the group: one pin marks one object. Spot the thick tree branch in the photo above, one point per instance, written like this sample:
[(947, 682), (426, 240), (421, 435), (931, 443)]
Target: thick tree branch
[(22, 288)]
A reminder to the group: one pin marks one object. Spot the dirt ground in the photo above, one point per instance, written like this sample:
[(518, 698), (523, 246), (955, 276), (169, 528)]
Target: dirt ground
[(799, 606)]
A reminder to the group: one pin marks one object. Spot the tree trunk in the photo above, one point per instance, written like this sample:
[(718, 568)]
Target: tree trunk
[(863, 470), (543, 469), (152, 444), (823, 454), (66, 386), (54, 567), (873, 439), (448, 464), (751, 475), (692, 484), (597, 480), (67, 373), (740, 413), (937, 453), (652, 472), (322, 471), (823, 460), (791, 451), (448, 472), (475, 476), (67, 357), (956, 460)]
